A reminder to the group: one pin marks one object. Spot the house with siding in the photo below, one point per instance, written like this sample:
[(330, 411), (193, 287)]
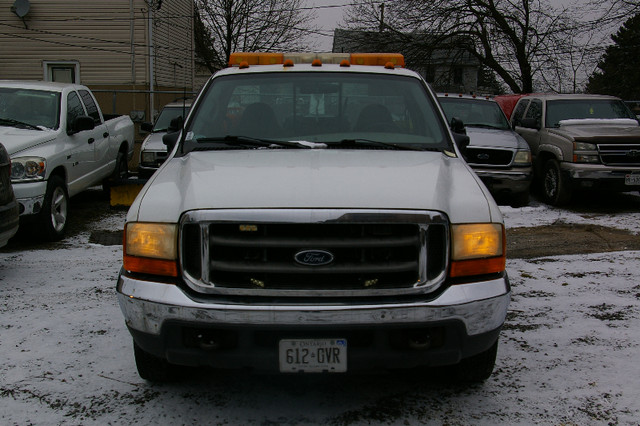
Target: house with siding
[(136, 55)]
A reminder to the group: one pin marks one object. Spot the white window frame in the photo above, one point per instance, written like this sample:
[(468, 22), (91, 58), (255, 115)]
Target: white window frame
[(48, 65)]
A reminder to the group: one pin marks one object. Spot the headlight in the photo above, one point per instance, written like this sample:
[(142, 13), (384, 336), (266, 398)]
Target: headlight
[(151, 248), (522, 158), (148, 157), (583, 146), (28, 168), (477, 249), (585, 153)]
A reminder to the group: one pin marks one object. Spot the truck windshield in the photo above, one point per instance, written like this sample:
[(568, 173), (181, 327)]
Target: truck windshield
[(167, 114), (319, 107), (569, 109), (29, 108), (475, 112)]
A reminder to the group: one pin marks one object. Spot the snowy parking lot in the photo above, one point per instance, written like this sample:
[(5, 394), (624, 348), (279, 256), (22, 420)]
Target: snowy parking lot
[(568, 353)]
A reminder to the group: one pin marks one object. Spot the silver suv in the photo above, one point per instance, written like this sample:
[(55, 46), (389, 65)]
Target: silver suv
[(498, 155)]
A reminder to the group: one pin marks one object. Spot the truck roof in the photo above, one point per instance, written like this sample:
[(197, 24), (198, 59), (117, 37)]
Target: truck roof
[(323, 68), (371, 63), (51, 86)]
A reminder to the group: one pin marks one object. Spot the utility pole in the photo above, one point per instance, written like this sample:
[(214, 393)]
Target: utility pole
[(381, 17)]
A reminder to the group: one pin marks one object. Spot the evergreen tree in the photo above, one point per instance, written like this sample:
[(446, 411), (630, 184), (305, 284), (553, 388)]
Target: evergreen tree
[(620, 64)]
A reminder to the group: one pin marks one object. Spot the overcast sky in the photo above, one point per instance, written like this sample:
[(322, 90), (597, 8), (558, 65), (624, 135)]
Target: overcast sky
[(329, 17)]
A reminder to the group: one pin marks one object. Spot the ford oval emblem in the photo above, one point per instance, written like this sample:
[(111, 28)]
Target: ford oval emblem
[(314, 257)]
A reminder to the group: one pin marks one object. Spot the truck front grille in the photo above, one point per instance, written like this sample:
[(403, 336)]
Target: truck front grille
[(488, 156), (620, 155), (311, 252)]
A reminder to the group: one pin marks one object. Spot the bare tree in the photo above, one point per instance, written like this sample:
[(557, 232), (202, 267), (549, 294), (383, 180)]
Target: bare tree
[(251, 25), (517, 39)]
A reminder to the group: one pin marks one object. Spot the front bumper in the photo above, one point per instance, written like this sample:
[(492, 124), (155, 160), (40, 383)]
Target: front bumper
[(465, 319), (30, 196), (506, 181), (597, 176)]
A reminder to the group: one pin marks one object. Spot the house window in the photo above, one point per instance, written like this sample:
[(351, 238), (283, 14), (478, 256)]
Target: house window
[(64, 72)]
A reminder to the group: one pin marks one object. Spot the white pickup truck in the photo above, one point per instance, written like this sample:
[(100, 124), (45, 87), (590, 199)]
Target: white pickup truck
[(315, 215), (60, 144)]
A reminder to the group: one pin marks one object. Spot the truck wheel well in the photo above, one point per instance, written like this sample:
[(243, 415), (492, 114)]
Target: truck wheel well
[(59, 171), (124, 146), (543, 157)]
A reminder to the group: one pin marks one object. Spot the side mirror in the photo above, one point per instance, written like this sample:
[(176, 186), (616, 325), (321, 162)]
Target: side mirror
[(462, 142), (170, 140), (530, 123), (82, 123), (457, 126), (147, 127), (176, 124)]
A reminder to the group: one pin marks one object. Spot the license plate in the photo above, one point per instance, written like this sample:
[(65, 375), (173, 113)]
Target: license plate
[(632, 179), (313, 355)]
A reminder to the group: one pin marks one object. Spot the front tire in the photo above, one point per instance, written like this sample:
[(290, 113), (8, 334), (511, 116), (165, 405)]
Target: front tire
[(122, 167), (54, 213), (520, 199), (153, 368), (120, 173), (556, 188), (477, 368)]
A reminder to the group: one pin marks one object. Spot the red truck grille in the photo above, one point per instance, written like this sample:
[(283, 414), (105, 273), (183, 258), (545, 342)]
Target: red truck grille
[(355, 254)]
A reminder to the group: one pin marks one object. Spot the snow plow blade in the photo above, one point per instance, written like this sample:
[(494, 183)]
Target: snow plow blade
[(123, 192)]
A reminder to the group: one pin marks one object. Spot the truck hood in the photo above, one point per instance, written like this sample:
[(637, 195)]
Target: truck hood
[(17, 140), (495, 138), (616, 130), (322, 179)]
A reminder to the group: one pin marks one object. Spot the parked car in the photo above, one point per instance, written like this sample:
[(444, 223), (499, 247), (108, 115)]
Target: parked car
[(332, 227), (60, 144), (153, 152), (634, 106), (496, 153), (9, 212), (580, 142)]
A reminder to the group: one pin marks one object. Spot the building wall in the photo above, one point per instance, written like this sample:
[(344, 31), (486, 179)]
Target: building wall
[(107, 43), (173, 44), (105, 39)]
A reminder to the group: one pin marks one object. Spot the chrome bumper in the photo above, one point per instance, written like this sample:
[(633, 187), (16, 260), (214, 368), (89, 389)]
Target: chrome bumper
[(480, 306), (30, 196)]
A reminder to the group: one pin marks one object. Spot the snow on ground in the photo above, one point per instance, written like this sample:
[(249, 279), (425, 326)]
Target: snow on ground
[(540, 214), (567, 355)]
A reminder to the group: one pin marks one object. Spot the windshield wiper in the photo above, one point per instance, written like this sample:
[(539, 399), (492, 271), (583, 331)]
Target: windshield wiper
[(486, 126), (368, 143), (246, 141), (15, 123)]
